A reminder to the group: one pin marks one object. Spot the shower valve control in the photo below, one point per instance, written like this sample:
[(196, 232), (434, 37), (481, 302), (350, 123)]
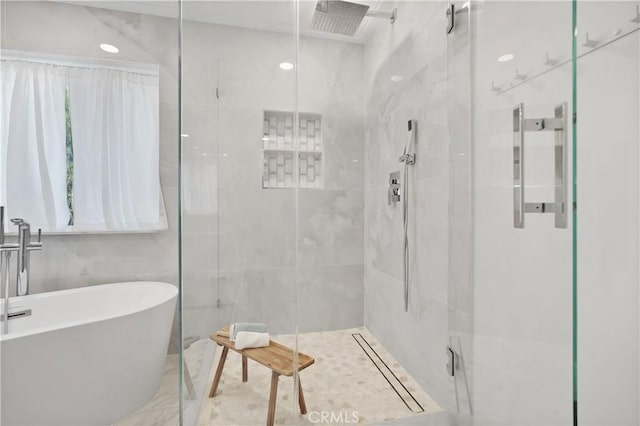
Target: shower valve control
[(394, 188)]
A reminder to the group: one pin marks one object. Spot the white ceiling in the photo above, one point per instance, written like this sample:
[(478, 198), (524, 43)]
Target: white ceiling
[(267, 15)]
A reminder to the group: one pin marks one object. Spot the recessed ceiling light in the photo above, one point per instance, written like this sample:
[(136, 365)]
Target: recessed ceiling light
[(184, 135), (287, 66), (110, 48), (225, 155), (396, 78), (506, 58)]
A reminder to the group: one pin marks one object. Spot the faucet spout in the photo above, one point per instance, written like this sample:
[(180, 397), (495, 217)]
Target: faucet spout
[(24, 243)]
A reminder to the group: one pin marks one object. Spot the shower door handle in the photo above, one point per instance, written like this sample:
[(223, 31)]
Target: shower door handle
[(557, 124), (518, 166)]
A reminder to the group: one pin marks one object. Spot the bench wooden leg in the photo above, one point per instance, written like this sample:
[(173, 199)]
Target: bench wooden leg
[(273, 395), (216, 378), (245, 373), (191, 394), (303, 405)]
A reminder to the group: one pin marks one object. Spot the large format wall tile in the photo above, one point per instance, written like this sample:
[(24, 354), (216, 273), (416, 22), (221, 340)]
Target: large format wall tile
[(313, 298), (259, 295), (417, 97), (240, 148), (257, 228), (199, 64), (248, 66), (330, 227), (168, 144), (343, 139), (78, 31), (383, 242), (330, 297), (202, 321), (330, 78)]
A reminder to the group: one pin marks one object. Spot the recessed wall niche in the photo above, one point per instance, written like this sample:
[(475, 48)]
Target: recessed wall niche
[(279, 149)]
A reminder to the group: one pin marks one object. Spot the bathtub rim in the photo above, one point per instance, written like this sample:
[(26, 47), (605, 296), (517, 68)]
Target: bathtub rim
[(172, 293)]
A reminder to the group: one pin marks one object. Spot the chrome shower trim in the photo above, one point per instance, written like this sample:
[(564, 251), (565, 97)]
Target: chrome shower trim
[(391, 16)]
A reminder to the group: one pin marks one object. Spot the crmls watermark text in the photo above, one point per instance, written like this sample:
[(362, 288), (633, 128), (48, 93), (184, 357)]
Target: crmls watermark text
[(333, 417)]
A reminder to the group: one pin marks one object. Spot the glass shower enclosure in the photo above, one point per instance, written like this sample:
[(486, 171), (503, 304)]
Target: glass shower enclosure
[(555, 212), (523, 216)]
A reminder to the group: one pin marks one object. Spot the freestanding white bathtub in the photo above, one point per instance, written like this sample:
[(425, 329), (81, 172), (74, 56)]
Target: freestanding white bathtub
[(87, 356)]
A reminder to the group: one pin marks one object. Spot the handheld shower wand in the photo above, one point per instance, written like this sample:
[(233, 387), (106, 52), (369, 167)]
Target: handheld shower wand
[(409, 159)]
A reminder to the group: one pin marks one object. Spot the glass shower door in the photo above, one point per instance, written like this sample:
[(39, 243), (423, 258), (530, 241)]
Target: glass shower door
[(523, 292), (607, 134), (238, 212)]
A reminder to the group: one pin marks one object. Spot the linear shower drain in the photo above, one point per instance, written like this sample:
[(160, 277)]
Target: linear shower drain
[(395, 383)]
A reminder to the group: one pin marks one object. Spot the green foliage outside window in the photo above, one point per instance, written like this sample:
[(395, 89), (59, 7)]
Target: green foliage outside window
[(69, 144)]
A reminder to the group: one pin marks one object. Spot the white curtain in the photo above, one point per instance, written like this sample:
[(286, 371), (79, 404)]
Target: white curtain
[(33, 182), (114, 120)]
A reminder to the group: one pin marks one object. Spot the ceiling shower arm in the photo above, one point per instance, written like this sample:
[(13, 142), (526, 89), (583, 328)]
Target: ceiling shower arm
[(384, 15)]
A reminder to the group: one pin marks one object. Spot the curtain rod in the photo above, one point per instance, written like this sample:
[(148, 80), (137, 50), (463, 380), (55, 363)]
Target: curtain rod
[(81, 62)]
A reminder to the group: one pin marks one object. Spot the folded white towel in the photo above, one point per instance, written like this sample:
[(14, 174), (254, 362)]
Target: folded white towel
[(246, 326), (250, 339)]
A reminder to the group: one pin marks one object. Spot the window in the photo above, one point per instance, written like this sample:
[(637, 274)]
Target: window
[(83, 137)]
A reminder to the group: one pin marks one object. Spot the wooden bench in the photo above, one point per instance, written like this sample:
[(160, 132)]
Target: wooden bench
[(277, 357)]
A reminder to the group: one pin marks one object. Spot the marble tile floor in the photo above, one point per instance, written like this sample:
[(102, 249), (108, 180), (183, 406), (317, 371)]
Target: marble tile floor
[(342, 381), (163, 408)]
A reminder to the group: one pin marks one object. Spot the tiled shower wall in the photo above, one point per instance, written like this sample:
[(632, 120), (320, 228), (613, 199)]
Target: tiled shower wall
[(413, 70), (257, 248)]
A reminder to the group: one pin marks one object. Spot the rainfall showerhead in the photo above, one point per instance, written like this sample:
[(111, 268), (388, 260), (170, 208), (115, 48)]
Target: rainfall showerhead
[(343, 17)]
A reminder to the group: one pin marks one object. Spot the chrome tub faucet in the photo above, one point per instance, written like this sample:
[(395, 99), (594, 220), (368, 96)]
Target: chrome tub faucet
[(22, 248), (25, 246)]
